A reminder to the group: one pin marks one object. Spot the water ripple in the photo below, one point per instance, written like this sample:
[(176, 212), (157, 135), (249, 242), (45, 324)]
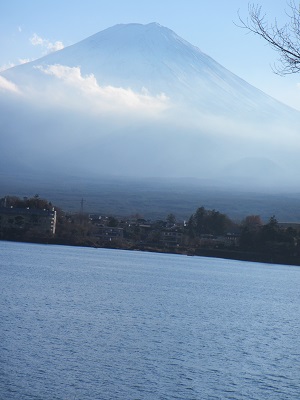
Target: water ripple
[(85, 324)]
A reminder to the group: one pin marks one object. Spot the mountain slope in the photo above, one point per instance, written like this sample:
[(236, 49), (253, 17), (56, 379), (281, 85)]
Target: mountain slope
[(153, 57), (139, 100)]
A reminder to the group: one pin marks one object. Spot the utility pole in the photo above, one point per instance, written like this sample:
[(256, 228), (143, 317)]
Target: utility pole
[(81, 211), (81, 206)]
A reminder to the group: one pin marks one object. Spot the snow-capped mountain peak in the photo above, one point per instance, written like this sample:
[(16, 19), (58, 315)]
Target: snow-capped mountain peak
[(148, 101), (155, 58)]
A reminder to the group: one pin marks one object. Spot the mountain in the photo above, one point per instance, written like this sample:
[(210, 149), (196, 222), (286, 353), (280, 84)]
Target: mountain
[(154, 58), (138, 100)]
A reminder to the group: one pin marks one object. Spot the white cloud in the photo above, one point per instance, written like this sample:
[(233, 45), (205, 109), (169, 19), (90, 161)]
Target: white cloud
[(105, 98), (50, 47), (10, 64), (6, 85), (24, 60), (7, 66), (55, 46), (36, 40)]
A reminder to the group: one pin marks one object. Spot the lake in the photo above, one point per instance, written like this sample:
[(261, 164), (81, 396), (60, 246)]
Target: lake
[(85, 323)]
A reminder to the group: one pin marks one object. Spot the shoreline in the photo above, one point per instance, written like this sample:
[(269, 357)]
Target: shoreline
[(228, 254)]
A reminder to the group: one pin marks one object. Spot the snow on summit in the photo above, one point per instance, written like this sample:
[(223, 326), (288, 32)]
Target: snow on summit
[(154, 58), (149, 101)]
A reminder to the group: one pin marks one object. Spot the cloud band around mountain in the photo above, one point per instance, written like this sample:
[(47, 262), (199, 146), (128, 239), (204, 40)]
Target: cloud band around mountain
[(106, 98), (8, 86)]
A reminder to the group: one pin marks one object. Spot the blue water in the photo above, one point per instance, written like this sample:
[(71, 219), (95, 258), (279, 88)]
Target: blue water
[(84, 323)]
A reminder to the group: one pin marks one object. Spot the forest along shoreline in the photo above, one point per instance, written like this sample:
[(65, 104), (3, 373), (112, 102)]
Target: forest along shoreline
[(207, 233)]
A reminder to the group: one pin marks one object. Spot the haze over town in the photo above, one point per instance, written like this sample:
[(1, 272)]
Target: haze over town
[(150, 91)]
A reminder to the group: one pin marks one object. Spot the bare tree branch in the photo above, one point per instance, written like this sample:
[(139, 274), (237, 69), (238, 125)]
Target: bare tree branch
[(285, 40)]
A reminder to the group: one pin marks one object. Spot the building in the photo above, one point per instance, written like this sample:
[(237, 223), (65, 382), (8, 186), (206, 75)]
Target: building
[(108, 234), (172, 237), (37, 221)]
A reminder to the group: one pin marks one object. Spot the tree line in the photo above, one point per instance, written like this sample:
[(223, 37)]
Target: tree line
[(207, 232)]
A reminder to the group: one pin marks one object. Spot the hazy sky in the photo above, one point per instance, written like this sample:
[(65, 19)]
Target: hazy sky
[(31, 28)]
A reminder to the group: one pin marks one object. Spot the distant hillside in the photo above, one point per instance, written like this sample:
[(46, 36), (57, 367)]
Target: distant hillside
[(154, 198)]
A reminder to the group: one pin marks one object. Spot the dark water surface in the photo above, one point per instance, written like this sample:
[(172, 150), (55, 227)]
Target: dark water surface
[(83, 323)]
